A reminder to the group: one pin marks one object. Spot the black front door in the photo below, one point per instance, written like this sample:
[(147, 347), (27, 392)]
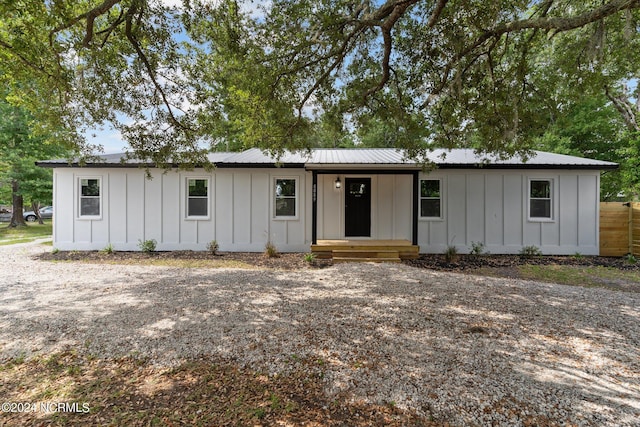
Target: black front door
[(357, 207)]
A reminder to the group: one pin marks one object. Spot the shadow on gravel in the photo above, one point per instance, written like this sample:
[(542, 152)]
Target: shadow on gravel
[(463, 348)]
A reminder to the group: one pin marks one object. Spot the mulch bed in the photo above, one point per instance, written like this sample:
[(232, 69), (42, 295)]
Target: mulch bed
[(468, 263), (292, 261), (287, 261)]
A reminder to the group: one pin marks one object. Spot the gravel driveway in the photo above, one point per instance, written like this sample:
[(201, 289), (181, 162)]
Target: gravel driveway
[(470, 350)]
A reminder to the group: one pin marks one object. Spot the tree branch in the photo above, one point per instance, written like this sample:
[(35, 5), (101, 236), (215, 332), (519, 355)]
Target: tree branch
[(132, 13), (559, 24), (90, 17), (398, 10), (625, 108), (435, 15), (24, 60)]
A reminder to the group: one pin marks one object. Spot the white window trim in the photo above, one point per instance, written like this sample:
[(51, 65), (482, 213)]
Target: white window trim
[(79, 197), (273, 199), (186, 199), (420, 198), (551, 200)]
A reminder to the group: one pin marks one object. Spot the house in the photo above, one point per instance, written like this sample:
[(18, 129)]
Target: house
[(550, 201)]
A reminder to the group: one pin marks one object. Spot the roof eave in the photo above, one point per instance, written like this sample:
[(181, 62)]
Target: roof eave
[(528, 166), (260, 165), (382, 166)]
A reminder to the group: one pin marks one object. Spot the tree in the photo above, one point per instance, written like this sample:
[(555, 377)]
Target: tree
[(19, 150), (591, 127), (438, 72)]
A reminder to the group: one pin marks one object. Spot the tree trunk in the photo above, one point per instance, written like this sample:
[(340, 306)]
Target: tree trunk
[(35, 207), (17, 220)]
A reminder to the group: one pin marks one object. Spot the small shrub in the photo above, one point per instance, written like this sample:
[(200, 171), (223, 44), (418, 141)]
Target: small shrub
[(451, 254), (55, 250), (213, 247), (310, 258), (270, 250), (147, 245), (578, 255), (631, 259), (478, 248), (108, 249), (529, 251)]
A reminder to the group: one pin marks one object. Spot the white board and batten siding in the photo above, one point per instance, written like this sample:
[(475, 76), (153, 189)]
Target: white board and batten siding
[(133, 208), (391, 206), (491, 207), (485, 205)]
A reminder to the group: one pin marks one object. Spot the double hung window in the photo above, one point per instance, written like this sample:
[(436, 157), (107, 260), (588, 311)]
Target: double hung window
[(430, 198), (197, 197)]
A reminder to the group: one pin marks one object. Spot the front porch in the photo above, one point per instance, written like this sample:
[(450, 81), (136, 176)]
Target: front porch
[(365, 250)]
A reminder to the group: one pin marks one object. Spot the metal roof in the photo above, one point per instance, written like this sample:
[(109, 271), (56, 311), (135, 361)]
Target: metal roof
[(367, 157)]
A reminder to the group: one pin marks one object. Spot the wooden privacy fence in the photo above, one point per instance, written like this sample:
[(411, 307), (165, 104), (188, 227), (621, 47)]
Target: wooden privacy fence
[(619, 228)]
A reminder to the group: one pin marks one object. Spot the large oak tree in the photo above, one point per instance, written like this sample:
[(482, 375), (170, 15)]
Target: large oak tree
[(487, 75)]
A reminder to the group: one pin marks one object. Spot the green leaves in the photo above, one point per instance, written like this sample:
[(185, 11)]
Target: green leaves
[(19, 150), (411, 74)]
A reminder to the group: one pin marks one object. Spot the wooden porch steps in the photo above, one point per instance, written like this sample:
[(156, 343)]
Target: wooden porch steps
[(364, 255), (365, 250)]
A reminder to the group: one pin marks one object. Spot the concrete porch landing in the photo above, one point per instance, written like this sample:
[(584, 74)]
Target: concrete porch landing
[(365, 250)]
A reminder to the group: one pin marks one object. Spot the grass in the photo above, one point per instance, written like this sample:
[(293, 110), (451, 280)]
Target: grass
[(574, 275), (130, 391), (597, 276), (10, 236)]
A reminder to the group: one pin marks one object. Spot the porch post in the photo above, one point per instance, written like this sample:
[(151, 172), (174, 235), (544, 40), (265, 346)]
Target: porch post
[(416, 207), (314, 208)]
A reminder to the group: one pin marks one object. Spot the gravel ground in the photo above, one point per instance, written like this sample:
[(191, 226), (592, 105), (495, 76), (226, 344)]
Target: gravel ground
[(469, 350)]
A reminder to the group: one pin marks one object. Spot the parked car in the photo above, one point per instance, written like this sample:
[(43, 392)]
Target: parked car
[(46, 212)]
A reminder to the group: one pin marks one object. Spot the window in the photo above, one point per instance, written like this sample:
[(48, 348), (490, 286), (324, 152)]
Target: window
[(285, 197), (430, 198), (540, 199), (197, 197), (89, 197)]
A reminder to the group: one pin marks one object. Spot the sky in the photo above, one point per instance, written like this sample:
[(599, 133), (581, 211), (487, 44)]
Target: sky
[(111, 139)]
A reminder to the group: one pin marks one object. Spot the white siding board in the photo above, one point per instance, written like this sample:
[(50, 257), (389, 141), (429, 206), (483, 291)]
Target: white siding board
[(259, 208), (494, 210), (475, 206), (331, 208), (385, 210), (135, 208), (588, 211), (403, 205), (568, 210), (456, 210), (64, 207), (278, 234), (171, 208), (513, 209), (242, 208), (153, 208), (117, 209), (224, 210)]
